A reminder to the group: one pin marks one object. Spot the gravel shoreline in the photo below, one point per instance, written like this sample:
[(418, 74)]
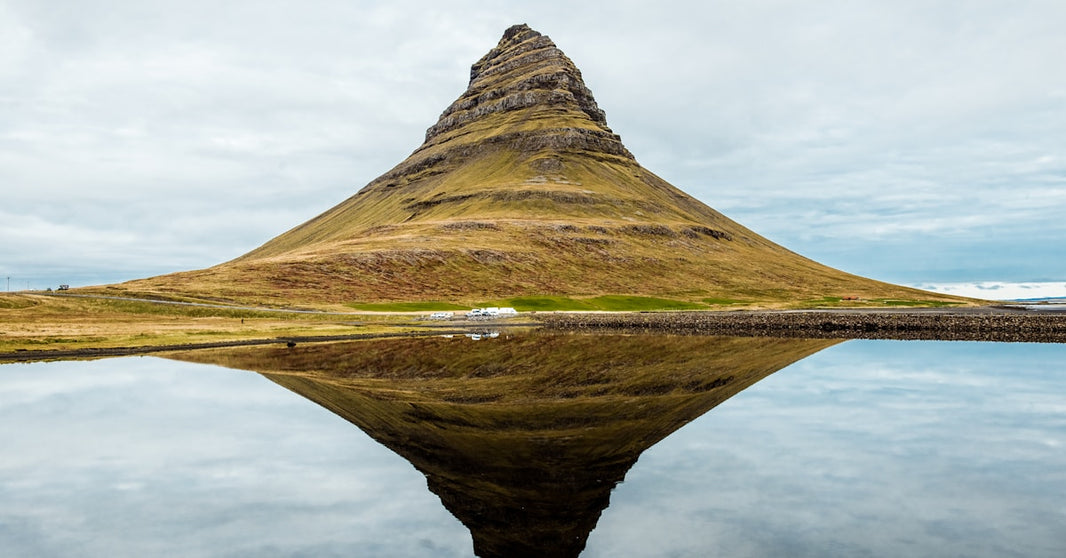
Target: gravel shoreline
[(963, 324)]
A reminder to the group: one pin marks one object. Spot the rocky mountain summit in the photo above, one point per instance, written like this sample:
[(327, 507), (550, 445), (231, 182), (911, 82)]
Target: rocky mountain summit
[(527, 71), (520, 188)]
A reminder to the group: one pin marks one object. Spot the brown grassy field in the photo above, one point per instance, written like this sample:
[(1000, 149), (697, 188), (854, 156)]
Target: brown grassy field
[(38, 321)]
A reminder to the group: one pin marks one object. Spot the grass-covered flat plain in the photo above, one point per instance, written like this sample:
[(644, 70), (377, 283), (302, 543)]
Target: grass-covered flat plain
[(47, 322), (40, 321)]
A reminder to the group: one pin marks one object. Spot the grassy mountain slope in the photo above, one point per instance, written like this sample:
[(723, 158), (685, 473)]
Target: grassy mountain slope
[(521, 189)]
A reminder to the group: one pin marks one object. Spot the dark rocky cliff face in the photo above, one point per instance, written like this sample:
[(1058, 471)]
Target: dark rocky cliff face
[(526, 71)]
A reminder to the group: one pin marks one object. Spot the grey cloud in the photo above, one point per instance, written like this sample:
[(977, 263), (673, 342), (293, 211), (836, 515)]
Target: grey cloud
[(854, 124)]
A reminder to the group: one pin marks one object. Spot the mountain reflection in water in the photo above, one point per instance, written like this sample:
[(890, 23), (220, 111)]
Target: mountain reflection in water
[(522, 437)]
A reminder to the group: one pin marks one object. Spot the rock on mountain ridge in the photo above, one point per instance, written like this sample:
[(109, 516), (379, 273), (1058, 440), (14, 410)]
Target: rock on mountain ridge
[(553, 79), (525, 71)]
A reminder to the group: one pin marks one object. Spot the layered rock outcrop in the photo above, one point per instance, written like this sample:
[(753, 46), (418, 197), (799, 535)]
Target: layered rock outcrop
[(524, 95), (524, 71)]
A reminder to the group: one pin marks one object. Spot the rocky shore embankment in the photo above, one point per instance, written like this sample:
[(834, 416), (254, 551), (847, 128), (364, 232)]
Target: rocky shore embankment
[(981, 324)]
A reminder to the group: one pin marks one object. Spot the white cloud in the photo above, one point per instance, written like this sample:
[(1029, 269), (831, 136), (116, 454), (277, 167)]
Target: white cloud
[(999, 290), (828, 127), (108, 454)]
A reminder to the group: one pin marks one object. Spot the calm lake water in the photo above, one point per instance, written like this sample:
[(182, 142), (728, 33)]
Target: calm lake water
[(862, 448)]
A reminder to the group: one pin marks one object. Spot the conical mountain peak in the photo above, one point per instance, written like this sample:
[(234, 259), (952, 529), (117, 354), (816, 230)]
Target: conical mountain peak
[(521, 189), (526, 73)]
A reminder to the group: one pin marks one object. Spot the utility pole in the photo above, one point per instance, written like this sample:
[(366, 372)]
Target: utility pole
[(9, 284)]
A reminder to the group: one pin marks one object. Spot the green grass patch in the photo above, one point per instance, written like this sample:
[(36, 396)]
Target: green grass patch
[(921, 303), (724, 301), (834, 301), (541, 303), (407, 306), (620, 303), (606, 303)]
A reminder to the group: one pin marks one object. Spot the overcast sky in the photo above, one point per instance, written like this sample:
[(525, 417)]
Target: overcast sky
[(915, 142)]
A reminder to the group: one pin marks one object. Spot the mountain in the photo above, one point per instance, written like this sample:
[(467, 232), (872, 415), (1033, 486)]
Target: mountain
[(523, 437), (520, 189)]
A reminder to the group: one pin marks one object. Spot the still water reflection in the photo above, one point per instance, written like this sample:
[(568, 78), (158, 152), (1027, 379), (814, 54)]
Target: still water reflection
[(880, 448)]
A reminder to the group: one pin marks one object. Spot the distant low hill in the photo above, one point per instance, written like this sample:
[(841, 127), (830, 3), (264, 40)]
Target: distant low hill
[(522, 190)]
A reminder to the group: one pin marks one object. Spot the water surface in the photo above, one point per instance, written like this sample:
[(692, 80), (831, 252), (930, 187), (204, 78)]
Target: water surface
[(625, 446)]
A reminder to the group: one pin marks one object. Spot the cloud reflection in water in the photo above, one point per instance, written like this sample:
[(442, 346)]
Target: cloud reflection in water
[(865, 448)]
